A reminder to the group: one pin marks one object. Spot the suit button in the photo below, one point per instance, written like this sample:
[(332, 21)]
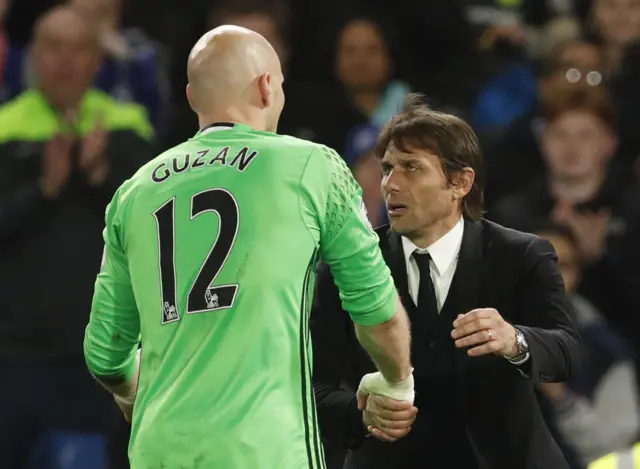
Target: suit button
[(433, 345)]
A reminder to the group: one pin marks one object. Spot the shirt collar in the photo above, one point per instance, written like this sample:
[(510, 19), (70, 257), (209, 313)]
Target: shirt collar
[(443, 252), (216, 127)]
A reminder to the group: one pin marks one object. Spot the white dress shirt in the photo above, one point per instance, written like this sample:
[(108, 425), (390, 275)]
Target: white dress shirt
[(444, 260)]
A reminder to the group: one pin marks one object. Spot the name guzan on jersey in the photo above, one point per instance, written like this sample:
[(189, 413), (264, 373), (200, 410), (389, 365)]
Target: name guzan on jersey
[(179, 164)]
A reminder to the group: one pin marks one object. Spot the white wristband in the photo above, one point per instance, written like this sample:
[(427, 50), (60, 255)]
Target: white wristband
[(375, 383)]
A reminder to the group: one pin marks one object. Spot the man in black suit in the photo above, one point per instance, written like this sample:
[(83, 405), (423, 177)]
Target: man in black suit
[(489, 319)]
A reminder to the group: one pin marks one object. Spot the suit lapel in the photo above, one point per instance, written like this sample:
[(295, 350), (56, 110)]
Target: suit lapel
[(468, 276), (467, 280), (395, 260)]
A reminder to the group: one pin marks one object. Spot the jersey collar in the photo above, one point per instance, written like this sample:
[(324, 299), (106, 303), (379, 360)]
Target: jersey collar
[(218, 126)]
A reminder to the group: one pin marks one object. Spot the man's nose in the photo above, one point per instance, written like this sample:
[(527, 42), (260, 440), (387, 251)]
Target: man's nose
[(390, 182)]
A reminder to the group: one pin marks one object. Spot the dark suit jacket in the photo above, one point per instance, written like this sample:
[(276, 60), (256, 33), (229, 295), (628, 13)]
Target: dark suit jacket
[(513, 272)]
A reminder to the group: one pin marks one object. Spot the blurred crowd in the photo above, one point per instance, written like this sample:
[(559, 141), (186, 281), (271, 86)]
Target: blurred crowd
[(90, 93)]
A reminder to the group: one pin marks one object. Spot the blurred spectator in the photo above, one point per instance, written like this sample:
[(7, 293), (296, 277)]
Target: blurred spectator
[(270, 19), (512, 158), (435, 49), (597, 411), (514, 90), (496, 20), (556, 31), (313, 111), (617, 24), (364, 68), (133, 68), (510, 93), (510, 90), (593, 197), (64, 149)]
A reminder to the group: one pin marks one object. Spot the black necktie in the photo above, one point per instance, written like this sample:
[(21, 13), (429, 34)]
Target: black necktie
[(426, 293)]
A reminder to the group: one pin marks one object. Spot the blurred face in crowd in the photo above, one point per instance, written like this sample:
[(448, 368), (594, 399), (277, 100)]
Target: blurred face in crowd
[(416, 191), (363, 58), (576, 145), (264, 25), (617, 20), (65, 57), (568, 259)]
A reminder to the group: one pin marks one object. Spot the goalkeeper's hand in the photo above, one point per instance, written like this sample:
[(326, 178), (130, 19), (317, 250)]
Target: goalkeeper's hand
[(394, 413)]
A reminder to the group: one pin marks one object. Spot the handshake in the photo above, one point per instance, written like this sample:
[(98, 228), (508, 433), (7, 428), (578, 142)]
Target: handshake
[(388, 410)]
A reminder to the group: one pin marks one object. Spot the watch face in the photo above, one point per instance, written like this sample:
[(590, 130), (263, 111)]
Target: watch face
[(522, 342)]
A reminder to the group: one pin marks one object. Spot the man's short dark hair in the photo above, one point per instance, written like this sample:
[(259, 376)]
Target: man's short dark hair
[(448, 137)]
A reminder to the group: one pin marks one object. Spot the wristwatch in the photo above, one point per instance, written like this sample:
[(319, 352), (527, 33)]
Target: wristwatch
[(521, 345)]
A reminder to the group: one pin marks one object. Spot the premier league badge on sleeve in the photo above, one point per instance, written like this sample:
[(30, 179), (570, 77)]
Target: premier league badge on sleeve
[(365, 215)]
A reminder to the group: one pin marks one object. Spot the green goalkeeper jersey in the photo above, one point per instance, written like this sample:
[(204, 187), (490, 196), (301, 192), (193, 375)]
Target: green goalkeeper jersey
[(209, 263)]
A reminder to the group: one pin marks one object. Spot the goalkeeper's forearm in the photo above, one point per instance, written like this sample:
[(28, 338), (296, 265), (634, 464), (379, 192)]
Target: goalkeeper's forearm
[(123, 389), (389, 345)]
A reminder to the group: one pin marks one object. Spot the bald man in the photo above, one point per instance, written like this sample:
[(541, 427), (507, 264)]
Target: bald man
[(209, 261), (64, 150)]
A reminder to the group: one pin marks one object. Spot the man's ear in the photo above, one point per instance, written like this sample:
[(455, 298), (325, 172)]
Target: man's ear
[(188, 92), (264, 86), (462, 182)]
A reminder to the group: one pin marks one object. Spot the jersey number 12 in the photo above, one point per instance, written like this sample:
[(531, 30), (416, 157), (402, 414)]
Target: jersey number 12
[(203, 296)]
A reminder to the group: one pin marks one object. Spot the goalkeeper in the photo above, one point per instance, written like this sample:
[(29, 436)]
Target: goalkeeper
[(209, 262)]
